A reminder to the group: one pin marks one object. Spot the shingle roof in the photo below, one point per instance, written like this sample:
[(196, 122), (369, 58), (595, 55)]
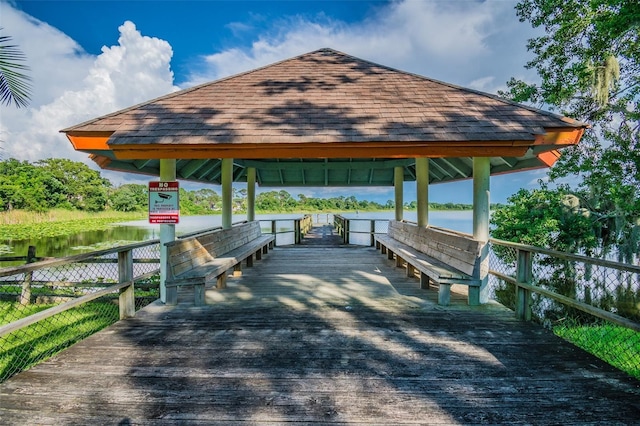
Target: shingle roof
[(325, 97)]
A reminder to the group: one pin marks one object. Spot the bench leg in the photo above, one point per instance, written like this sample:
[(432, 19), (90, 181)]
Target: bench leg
[(250, 261), (221, 281), (259, 254), (424, 281), (237, 270), (389, 254), (399, 261), (198, 294), (411, 271), (474, 296), (383, 249), (444, 294), (265, 249), (172, 296)]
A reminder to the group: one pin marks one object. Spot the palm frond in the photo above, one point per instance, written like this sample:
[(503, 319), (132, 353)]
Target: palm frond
[(15, 85)]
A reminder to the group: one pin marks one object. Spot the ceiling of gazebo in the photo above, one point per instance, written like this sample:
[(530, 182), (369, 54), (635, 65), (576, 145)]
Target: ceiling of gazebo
[(325, 119)]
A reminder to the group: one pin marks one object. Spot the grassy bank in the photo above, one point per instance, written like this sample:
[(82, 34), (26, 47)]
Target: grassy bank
[(616, 345), (21, 350), (22, 225)]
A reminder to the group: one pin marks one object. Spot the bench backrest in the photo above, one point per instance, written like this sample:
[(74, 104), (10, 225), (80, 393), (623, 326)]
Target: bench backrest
[(459, 251), (188, 253)]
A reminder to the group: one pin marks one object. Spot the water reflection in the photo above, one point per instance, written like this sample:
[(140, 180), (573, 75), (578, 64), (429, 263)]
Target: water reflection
[(81, 242)]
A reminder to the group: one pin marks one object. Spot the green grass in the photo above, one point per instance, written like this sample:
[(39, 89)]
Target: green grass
[(25, 348), (616, 345)]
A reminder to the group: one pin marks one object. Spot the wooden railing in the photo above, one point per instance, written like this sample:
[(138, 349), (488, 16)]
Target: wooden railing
[(301, 226), (321, 218), (125, 285), (524, 278), (365, 228)]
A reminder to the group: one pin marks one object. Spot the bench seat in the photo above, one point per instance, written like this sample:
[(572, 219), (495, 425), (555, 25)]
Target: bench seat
[(199, 260), (432, 268)]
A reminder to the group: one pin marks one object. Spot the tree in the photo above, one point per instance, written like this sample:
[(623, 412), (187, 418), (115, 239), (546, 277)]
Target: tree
[(15, 85), (84, 188), (24, 186), (589, 65), (129, 197)]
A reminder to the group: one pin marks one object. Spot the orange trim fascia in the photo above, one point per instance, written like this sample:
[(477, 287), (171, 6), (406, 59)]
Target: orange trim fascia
[(549, 158), (84, 142), (340, 150), (560, 137)]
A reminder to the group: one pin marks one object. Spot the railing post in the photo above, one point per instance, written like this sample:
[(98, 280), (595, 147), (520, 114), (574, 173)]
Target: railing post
[(274, 228), (346, 226), (25, 295), (296, 231), (126, 301), (373, 232), (523, 275)]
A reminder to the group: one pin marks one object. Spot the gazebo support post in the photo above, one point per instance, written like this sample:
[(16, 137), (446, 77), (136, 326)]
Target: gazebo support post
[(481, 174), (422, 190), (251, 194), (168, 231), (227, 192), (398, 181)]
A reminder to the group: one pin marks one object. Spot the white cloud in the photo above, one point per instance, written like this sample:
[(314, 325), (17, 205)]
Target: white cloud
[(71, 86), (458, 42)]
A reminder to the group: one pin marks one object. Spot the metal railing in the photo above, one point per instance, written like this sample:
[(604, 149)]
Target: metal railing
[(49, 305)]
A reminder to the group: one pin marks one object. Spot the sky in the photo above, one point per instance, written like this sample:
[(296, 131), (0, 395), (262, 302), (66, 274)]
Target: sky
[(90, 58)]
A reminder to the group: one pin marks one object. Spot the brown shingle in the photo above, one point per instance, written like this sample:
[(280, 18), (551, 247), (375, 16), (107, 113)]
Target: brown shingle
[(324, 96)]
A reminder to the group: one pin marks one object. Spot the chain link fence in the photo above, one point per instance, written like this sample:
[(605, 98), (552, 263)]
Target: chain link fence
[(66, 300), (592, 303)]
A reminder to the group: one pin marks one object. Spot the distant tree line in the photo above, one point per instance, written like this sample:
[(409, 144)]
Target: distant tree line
[(61, 183)]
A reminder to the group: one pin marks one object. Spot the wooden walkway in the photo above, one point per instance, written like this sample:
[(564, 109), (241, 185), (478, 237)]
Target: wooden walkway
[(323, 235), (323, 335)]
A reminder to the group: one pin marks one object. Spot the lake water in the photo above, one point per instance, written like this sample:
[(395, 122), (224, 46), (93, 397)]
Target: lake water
[(141, 230)]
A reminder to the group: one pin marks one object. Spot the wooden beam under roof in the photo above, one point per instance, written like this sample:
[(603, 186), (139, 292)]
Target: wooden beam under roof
[(192, 167)]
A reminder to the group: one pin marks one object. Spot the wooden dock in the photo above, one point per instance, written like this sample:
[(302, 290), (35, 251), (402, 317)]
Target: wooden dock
[(322, 334)]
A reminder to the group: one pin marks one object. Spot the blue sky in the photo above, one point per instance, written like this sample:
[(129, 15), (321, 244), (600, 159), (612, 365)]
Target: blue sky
[(90, 58)]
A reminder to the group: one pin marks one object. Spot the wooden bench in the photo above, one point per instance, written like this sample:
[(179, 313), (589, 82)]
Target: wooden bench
[(198, 260), (443, 257)]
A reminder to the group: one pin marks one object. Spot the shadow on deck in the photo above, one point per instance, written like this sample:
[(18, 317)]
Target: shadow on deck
[(326, 335)]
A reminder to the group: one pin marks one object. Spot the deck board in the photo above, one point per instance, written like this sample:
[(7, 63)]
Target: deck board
[(322, 335)]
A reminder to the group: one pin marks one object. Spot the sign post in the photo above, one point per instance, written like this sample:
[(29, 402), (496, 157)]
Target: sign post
[(164, 205)]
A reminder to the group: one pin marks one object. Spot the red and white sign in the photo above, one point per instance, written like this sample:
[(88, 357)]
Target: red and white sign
[(164, 204)]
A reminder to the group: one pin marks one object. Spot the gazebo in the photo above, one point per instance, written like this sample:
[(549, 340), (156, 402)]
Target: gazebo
[(326, 118)]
